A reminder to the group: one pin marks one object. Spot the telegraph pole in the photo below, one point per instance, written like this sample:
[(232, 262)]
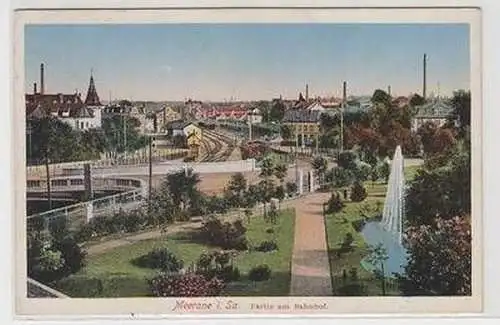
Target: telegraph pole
[(344, 99), (150, 168)]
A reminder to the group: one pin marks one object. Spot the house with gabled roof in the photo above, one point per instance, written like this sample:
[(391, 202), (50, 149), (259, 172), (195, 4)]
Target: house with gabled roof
[(437, 111), (69, 108)]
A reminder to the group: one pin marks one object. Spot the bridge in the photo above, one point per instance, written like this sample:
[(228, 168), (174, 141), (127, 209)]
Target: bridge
[(126, 179)]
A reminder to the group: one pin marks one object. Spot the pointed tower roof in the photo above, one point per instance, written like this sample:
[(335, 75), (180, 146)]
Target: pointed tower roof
[(92, 97)]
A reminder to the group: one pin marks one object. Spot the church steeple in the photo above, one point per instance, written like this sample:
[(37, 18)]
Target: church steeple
[(92, 97)]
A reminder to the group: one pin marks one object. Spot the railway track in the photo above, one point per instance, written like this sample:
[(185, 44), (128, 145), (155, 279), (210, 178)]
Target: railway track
[(217, 147)]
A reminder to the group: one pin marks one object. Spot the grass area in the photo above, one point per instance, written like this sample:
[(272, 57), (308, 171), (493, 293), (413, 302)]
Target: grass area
[(112, 274), (338, 225)]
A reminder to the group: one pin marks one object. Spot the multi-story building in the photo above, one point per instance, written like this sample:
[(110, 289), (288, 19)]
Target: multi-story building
[(436, 111), (304, 123)]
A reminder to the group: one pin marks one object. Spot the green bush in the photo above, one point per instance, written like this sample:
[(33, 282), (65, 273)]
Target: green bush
[(267, 246), (225, 235), (347, 243), (260, 273), (84, 233), (334, 204), (219, 265), (160, 258), (270, 231), (358, 192)]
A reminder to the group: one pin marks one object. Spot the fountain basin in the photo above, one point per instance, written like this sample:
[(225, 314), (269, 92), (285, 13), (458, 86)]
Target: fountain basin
[(375, 234)]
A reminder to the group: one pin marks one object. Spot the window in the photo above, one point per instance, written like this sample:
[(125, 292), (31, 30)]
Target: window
[(81, 125), (76, 181), (59, 182)]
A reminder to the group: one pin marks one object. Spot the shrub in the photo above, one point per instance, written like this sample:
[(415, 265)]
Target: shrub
[(347, 242), (358, 224), (291, 188), (347, 160), (160, 258), (334, 204), (185, 285), (270, 231), (219, 265), (259, 273), (84, 233), (358, 192), (133, 221), (267, 246), (225, 235)]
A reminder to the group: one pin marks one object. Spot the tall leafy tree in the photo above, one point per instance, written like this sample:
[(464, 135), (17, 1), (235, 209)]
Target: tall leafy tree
[(440, 258)]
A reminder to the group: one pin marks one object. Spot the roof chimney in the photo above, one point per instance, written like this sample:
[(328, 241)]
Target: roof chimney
[(42, 84), (34, 88)]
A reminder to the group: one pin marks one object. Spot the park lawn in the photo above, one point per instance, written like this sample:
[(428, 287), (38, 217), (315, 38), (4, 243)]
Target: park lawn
[(338, 225), (112, 273)]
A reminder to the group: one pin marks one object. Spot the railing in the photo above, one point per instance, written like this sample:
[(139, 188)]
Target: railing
[(72, 183), (80, 213), (133, 160)]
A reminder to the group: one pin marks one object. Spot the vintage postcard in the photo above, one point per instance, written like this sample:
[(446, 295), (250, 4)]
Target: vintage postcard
[(247, 161)]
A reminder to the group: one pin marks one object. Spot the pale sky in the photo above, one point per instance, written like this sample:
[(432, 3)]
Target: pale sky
[(246, 61)]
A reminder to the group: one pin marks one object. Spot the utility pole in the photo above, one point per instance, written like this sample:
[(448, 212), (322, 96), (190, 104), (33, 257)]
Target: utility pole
[(344, 99), (150, 169), (124, 121), (47, 161), (424, 81)]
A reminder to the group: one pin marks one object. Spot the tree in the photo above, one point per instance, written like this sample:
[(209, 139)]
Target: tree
[(385, 170), (440, 258), (461, 103), (416, 100), (280, 171), (182, 187), (377, 256), (442, 191), (236, 189), (381, 97), (347, 160), (320, 166), (362, 171), (279, 193), (291, 188), (341, 177), (358, 192), (277, 110)]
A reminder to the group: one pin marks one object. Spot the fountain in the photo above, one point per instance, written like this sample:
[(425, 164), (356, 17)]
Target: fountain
[(389, 231)]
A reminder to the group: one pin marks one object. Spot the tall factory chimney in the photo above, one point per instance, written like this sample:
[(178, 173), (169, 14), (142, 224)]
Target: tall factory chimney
[(344, 93), (307, 92), (42, 83), (424, 81), (389, 90), (34, 89)]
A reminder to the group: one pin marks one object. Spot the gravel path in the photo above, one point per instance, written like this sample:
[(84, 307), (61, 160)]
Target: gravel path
[(310, 265)]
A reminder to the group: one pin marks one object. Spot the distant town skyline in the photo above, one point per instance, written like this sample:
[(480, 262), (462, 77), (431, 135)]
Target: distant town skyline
[(174, 62)]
